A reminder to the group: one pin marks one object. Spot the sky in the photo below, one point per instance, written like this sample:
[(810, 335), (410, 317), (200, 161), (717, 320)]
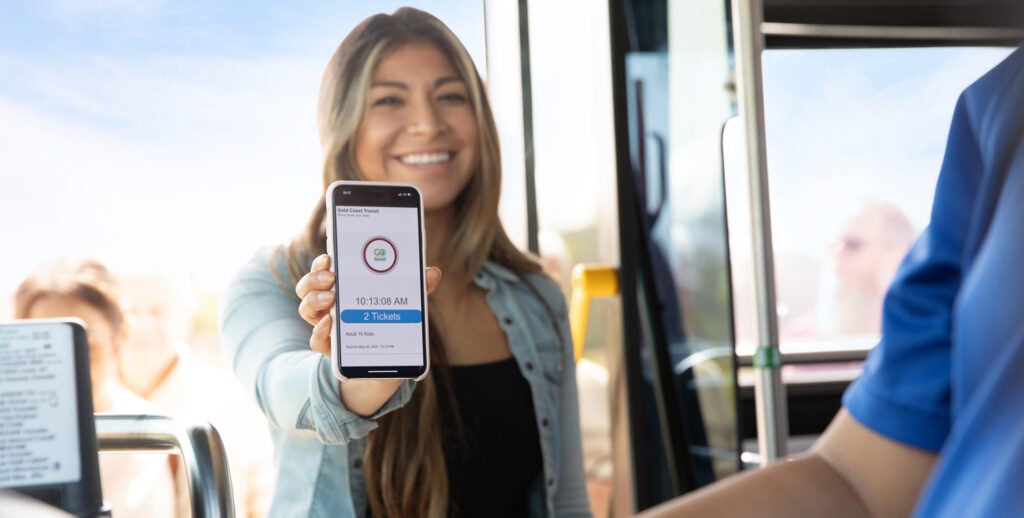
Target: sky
[(179, 136), (174, 136), (850, 126)]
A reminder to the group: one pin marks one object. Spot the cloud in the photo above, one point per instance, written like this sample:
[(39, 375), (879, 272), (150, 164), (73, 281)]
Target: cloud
[(184, 164), (119, 11)]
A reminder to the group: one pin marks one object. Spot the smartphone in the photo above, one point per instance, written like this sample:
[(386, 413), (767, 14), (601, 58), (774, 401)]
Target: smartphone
[(375, 240)]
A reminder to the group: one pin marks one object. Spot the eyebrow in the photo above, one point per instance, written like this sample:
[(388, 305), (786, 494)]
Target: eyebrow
[(398, 84)]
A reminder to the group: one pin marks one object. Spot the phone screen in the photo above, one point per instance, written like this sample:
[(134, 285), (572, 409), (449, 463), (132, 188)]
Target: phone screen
[(380, 329)]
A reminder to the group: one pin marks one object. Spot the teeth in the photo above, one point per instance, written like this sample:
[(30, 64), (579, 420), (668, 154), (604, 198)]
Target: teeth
[(426, 158)]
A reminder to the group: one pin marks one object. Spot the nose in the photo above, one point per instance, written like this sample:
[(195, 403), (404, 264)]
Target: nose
[(425, 119)]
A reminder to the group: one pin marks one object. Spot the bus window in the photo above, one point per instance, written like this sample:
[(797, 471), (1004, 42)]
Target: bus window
[(854, 143)]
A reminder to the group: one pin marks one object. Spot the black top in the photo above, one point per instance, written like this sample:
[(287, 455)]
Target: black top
[(496, 459)]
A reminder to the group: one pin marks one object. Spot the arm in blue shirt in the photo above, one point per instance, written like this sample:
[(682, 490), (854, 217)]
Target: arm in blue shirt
[(904, 392)]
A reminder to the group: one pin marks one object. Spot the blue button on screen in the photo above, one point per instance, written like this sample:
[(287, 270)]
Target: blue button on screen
[(381, 316)]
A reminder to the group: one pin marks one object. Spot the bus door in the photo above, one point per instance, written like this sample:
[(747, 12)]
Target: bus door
[(670, 73)]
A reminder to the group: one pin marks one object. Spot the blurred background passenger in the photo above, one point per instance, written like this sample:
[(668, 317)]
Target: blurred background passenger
[(157, 363), (863, 262), (133, 484), (857, 270)]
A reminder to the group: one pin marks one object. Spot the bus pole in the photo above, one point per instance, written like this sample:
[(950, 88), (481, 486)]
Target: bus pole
[(769, 392)]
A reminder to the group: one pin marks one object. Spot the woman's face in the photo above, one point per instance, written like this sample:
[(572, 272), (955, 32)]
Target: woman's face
[(419, 126)]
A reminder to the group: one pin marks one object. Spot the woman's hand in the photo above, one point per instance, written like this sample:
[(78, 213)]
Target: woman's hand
[(316, 289)]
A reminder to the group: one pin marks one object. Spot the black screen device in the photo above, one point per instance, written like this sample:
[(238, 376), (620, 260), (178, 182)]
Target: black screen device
[(48, 447)]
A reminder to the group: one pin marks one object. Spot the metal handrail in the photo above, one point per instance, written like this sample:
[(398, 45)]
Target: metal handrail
[(198, 443), (770, 399), (879, 32)]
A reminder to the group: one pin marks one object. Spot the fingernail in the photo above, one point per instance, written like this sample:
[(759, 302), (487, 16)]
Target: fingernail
[(324, 296), (324, 276)]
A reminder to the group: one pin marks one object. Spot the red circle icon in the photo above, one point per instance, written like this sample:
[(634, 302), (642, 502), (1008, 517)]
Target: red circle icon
[(380, 254)]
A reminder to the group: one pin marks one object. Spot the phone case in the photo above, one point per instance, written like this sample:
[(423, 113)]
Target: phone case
[(330, 227)]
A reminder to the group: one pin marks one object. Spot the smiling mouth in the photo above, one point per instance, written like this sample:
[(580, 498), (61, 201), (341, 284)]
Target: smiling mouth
[(427, 158)]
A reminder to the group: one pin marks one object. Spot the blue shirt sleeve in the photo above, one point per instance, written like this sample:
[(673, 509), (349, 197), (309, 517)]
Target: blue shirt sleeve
[(904, 391)]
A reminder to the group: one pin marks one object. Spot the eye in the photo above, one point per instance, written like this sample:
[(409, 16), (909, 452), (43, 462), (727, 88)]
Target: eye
[(389, 100), (452, 97)]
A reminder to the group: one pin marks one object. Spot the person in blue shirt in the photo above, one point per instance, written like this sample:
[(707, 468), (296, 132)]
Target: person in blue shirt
[(493, 430), (935, 425)]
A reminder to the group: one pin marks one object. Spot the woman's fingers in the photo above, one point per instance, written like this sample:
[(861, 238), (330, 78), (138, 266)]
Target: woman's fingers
[(433, 278), (320, 340), (316, 290), (319, 278), (322, 262), (315, 305)]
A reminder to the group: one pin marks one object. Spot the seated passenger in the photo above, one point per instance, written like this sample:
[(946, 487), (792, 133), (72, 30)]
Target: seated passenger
[(133, 484), (157, 363), (856, 273), (401, 101), (862, 264)]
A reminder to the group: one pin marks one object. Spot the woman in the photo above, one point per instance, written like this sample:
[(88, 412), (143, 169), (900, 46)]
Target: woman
[(494, 429)]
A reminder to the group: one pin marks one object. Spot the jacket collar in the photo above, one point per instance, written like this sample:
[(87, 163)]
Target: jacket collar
[(490, 271)]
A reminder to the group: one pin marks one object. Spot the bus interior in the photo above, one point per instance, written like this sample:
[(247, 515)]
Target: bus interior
[(723, 189)]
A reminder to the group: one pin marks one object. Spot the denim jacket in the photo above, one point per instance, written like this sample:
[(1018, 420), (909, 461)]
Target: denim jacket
[(320, 443)]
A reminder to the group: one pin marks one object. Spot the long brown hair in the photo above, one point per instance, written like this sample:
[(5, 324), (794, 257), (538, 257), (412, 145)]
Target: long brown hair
[(404, 464)]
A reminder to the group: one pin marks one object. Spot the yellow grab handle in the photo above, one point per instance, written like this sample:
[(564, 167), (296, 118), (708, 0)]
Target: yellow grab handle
[(588, 281)]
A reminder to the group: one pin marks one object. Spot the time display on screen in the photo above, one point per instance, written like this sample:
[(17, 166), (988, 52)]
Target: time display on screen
[(382, 301)]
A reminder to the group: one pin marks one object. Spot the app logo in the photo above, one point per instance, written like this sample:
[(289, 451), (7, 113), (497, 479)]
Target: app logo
[(380, 254)]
